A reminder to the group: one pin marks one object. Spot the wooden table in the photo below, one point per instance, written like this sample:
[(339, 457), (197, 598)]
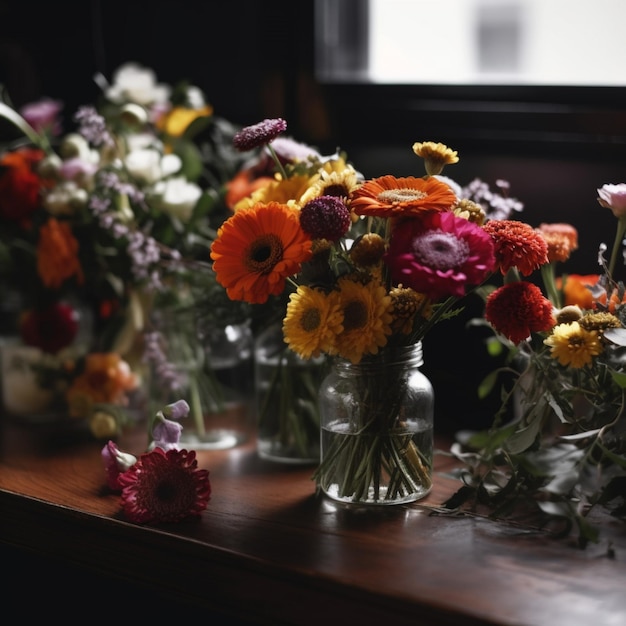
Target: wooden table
[(268, 550)]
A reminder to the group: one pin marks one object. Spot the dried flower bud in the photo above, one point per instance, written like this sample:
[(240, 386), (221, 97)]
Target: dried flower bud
[(368, 250), (259, 134)]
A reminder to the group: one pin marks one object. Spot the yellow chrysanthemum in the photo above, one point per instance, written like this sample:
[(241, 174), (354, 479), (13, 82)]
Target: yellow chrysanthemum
[(435, 155), (570, 344), (336, 178), (312, 322), (470, 210), (407, 304), (366, 318), (284, 191)]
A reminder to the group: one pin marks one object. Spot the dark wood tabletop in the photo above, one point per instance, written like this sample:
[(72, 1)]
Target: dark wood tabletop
[(269, 550)]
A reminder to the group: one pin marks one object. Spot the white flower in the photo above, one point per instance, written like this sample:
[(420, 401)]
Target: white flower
[(149, 165), (178, 197), (135, 83), (614, 197), (65, 199)]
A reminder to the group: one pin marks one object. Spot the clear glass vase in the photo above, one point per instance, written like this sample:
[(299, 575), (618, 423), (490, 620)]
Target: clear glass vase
[(286, 390), (212, 369), (377, 429)]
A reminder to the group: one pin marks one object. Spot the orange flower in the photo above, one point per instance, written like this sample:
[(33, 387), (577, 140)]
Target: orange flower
[(389, 196), (577, 291), (19, 184), (562, 240), (57, 254), (242, 185), (517, 245), (257, 249), (106, 379)]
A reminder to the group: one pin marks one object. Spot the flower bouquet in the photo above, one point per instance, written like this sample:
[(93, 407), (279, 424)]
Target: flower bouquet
[(368, 268), (104, 224), (562, 456)]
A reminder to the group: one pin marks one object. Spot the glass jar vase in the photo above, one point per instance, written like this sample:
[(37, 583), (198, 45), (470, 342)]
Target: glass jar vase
[(210, 368), (286, 391), (377, 429)]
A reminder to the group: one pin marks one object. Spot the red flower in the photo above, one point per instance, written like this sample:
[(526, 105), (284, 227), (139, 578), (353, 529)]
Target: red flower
[(51, 328), (19, 184), (165, 487), (517, 245), (518, 309)]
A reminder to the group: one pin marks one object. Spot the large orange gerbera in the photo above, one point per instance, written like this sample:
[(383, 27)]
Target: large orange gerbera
[(257, 249), (389, 196), (57, 254)]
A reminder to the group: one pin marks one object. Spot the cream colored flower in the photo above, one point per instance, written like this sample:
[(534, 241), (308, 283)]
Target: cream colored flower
[(134, 83), (177, 197), (149, 165), (613, 197)]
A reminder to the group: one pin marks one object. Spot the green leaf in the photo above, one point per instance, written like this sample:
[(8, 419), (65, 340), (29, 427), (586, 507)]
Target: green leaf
[(619, 378)]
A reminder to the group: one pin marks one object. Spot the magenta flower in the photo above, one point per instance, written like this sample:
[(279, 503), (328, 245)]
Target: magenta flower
[(325, 217), (259, 134), (439, 254), (43, 115), (116, 463)]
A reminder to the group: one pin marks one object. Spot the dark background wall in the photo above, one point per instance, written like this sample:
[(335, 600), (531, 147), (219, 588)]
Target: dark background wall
[(254, 59)]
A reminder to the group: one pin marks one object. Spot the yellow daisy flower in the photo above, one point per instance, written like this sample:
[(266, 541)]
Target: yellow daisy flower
[(435, 155), (312, 322), (338, 180), (570, 344), (366, 318)]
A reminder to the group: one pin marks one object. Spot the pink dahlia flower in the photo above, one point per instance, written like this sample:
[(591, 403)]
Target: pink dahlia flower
[(439, 255)]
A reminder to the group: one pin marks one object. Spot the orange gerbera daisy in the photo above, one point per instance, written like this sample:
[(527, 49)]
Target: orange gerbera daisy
[(389, 196), (257, 249), (57, 254), (517, 244)]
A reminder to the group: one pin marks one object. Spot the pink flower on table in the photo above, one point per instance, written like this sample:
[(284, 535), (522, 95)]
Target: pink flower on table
[(116, 462), (165, 487), (613, 197)]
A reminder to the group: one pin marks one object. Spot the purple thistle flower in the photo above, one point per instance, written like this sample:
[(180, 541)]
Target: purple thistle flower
[(326, 217), (259, 134)]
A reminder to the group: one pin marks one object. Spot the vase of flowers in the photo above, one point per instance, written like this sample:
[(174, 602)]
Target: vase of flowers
[(109, 209), (377, 429), (366, 268), (286, 389), (561, 455)]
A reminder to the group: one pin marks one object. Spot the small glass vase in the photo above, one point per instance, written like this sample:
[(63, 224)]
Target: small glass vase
[(377, 429), (212, 369), (286, 389)]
